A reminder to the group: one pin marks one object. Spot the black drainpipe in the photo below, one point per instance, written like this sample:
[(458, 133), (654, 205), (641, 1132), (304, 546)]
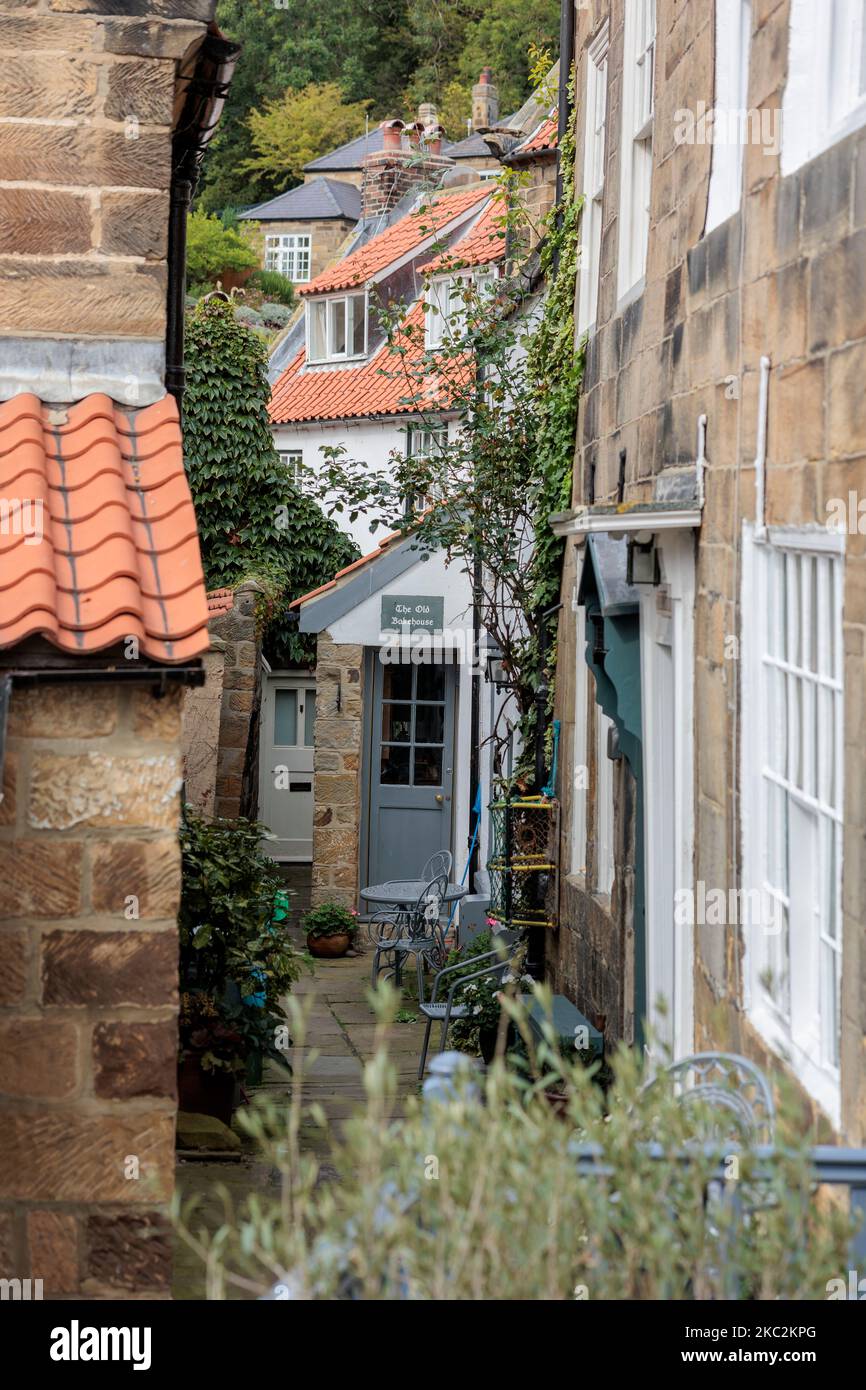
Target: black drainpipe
[(207, 89)]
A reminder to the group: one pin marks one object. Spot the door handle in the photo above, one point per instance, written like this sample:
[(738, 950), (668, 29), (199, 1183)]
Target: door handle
[(440, 798)]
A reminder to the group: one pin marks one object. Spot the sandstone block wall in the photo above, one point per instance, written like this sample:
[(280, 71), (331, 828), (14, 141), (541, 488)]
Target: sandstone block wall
[(785, 277), (89, 893), (337, 766)]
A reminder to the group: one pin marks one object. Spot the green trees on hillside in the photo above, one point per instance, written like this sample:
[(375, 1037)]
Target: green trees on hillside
[(392, 53)]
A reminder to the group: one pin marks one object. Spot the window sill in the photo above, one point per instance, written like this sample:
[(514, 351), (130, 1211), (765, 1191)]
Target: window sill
[(628, 297)]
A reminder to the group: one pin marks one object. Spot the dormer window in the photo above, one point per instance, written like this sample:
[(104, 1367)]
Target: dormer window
[(337, 328), (446, 298)]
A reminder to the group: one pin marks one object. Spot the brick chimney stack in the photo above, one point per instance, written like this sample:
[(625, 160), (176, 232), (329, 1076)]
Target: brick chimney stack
[(485, 102), (405, 161)]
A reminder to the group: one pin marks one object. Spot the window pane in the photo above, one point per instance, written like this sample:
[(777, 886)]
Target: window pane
[(776, 857), (396, 723), (394, 766), (428, 767), (429, 723), (397, 683), (431, 683), (317, 330), (338, 328), (358, 306), (309, 718), (286, 717)]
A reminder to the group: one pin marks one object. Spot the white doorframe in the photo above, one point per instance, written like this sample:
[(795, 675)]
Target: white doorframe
[(667, 660)]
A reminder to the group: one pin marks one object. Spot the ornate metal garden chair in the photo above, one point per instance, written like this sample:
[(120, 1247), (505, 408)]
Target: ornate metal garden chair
[(451, 979), (397, 933), (733, 1094)]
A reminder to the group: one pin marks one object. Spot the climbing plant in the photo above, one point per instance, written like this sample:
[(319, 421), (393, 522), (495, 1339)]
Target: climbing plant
[(508, 371), (253, 522)]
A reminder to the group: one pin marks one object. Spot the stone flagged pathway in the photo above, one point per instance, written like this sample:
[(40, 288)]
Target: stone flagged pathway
[(341, 1030)]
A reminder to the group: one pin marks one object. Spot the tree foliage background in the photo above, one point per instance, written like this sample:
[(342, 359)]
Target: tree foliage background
[(252, 520), (393, 53)]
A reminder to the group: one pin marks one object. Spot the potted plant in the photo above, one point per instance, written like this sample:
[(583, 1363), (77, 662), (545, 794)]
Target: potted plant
[(330, 929), (236, 961), (478, 1030), (211, 1057)]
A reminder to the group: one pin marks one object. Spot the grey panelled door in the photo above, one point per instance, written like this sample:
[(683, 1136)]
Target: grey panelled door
[(412, 773)]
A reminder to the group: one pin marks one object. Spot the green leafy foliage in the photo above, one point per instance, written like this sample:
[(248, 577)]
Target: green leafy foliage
[(253, 522), (510, 373), (236, 964), (392, 53), (511, 1215), (330, 919), (276, 286), (361, 45), (297, 127), (212, 248)]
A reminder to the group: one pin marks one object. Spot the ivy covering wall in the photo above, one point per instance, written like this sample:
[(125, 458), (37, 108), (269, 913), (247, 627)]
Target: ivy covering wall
[(253, 522)]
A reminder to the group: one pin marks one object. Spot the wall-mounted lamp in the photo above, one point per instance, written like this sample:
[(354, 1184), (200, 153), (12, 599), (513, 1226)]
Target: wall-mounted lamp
[(643, 562), (495, 672)]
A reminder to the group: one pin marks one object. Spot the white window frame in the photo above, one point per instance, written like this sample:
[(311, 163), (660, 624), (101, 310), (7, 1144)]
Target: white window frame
[(331, 305), (792, 791), (290, 254), (825, 93), (594, 153), (425, 441), (579, 793), (604, 858), (636, 141), (733, 42), (445, 319), (293, 461)]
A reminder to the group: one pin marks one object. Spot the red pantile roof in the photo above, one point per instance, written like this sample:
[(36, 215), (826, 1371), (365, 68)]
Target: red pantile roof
[(386, 385), (219, 601), (433, 216), (115, 553), (482, 244), (544, 138)]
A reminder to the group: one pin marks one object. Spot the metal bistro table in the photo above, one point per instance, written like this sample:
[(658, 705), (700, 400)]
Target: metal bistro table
[(405, 892)]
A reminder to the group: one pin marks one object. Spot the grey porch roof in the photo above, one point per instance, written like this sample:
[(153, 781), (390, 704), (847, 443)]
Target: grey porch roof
[(315, 201)]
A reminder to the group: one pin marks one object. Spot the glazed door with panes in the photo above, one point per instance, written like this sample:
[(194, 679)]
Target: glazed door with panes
[(286, 767), (411, 773)]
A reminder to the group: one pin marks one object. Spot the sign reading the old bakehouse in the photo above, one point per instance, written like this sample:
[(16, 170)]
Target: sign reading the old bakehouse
[(412, 613)]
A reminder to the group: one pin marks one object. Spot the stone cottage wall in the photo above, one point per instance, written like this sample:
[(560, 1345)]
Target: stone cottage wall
[(86, 167), (337, 765), (236, 788), (202, 707), (691, 344), (89, 893)]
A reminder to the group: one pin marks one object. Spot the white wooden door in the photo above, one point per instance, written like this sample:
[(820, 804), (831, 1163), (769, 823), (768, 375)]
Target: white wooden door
[(286, 764)]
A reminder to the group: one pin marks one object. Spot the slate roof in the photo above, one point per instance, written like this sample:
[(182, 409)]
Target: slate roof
[(348, 156), (115, 551), (315, 201)]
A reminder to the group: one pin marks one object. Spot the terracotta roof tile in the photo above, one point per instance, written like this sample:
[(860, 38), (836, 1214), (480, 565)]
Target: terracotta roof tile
[(219, 601), (386, 385), (433, 215), (482, 244), (543, 138), (116, 554)]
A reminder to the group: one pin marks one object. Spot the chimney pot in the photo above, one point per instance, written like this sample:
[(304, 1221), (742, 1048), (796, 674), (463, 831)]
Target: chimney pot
[(392, 132), (414, 133), (433, 134)]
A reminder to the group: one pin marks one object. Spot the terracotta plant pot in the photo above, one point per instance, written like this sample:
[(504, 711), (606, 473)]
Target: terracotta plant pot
[(328, 946), (202, 1092)]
